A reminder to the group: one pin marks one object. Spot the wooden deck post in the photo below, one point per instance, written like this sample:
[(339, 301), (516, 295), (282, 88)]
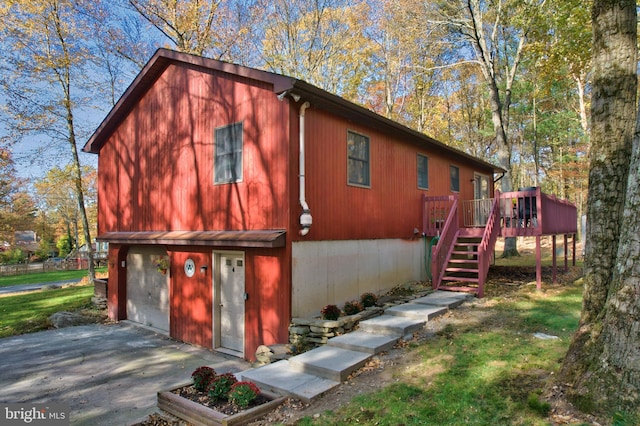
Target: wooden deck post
[(566, 253), (553, 238), (538, 264)]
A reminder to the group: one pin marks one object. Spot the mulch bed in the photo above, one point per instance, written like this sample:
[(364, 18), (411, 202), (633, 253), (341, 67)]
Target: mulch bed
[(222, 406)]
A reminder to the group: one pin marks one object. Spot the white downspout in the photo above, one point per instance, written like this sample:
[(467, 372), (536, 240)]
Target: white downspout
[(305, 218)]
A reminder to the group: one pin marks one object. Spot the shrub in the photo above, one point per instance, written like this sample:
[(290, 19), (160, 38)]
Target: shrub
[(220, 386), (368, 299), (201, 377), (330, 312), (353, 307), (243, 393)]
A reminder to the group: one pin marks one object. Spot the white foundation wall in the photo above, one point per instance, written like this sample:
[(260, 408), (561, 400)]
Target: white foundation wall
[(333, 272)]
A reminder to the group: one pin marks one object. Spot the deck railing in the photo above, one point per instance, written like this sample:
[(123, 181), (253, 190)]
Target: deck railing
[(442, 251), (476, 212), (531, 213), (485, 249), (435, 211)]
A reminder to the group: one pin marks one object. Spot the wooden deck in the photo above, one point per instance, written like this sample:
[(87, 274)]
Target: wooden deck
[(467, 231)]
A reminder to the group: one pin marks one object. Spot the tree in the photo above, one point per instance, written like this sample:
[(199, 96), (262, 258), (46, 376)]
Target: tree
[(602, 366), (58, 199), (17, 209), (46, 68), (496, 34), (320, 42)]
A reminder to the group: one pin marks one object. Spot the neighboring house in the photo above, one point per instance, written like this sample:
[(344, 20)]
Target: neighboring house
[(234, 199), (27, 241)]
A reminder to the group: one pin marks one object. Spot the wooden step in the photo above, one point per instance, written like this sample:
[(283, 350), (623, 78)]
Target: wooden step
[(464, 279), (462, 270), (474, 261), (473, 252)]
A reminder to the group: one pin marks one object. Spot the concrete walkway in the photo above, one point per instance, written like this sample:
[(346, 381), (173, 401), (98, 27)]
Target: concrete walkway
[(311, 374), (106, 374)]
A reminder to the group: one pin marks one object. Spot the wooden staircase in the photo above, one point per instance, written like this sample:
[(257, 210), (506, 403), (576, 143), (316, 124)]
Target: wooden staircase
[(463, 265), (460, 260)]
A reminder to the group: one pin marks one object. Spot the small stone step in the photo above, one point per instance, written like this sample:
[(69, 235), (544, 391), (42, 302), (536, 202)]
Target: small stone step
[(447, 299), (364, 342), (416, 311), (391, 324), (329, 362), (281, 379)]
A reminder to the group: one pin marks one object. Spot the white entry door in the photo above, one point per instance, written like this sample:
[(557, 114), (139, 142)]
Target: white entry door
[(230, 288)]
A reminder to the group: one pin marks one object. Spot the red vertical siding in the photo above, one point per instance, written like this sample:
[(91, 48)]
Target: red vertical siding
[(268, 307), (117, 283), (191, 298), (391, 206), (157, 167)]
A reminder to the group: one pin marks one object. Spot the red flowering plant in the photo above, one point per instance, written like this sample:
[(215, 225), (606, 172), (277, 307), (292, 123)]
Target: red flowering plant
[(368, 299), (353, 307), (220, 386), (330, 312), (201, 377), (243, 394)]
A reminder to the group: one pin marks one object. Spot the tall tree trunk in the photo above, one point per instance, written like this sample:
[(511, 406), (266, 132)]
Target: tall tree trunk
[(64, 77), (602, 365)]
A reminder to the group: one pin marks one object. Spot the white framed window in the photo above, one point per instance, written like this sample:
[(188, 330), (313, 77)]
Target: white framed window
[(423, 172), (358, 164), (227, 161)]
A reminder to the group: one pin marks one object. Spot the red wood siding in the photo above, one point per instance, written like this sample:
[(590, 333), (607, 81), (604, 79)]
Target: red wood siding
[(191, 298), (268, 306), (391, 207), (157, 168)]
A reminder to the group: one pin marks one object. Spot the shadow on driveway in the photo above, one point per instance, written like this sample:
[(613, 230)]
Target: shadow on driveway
[(106, 374)]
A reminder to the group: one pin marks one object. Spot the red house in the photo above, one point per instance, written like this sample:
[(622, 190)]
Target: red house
[(234, 199)]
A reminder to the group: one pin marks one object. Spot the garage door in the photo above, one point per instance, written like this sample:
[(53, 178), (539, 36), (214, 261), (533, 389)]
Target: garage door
[(147, 288)]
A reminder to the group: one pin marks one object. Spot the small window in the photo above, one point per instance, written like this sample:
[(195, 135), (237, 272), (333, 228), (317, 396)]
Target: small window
[(455, 178), (423, 172), (228, 154), (358, 159)]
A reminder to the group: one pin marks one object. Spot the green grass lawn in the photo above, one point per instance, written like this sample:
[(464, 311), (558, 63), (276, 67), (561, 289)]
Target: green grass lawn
[(490, 371), (43, 277), (26, 313)]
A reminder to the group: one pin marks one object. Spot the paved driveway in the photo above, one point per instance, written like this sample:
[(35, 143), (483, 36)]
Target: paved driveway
[(106, 374)]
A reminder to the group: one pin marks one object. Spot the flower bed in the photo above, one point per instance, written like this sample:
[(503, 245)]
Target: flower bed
[(192, 406)]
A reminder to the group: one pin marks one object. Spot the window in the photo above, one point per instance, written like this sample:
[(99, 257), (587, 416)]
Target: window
[(358, 159), (423, 172), (228, 154), (454, 173)]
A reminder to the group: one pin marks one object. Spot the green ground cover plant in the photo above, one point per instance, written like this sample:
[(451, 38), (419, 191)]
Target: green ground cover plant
[(488, 370), (44, 277), (27, 313)]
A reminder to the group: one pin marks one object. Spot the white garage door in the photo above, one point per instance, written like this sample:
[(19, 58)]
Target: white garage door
[(147, 288)]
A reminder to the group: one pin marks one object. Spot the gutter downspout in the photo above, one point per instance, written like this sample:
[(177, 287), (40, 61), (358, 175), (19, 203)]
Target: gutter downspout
[(305, 218)]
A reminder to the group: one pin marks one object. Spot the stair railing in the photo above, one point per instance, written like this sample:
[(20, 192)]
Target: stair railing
[(489, 238), (442, 251)]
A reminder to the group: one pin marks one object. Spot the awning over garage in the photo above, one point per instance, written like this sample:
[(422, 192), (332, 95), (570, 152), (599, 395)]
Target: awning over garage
[(256, 238)]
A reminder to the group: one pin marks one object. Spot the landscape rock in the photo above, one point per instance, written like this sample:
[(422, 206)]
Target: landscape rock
[(69, 319)]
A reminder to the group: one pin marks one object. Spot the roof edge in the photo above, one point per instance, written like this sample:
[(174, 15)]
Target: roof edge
[(160, 60)]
